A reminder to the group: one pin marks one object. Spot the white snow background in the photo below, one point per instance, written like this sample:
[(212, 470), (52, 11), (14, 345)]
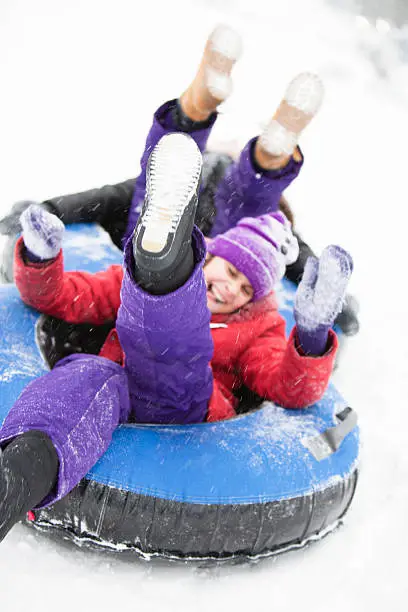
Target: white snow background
[(80, 80)]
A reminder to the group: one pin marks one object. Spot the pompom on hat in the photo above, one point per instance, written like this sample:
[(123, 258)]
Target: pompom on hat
[(259, 247)]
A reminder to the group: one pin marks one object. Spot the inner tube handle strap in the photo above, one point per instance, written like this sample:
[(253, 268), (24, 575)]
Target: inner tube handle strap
[(327, 443)]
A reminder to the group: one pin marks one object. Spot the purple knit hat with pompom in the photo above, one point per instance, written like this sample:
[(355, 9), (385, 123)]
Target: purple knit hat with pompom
[(259, 247)]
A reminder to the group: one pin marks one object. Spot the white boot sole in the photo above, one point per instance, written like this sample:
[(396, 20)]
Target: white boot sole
[(174, 172)]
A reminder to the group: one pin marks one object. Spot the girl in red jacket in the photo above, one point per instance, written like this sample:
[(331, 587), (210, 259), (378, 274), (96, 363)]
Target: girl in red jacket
[(187, 335), (242, 269)]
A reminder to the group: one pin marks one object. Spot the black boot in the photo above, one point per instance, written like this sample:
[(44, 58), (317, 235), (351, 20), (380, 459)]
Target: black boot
[(215, 166), (162, 248), (347, 320), (28, 473)]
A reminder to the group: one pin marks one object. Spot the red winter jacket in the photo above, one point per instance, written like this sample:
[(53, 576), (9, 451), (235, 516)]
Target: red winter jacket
[(249, 346)]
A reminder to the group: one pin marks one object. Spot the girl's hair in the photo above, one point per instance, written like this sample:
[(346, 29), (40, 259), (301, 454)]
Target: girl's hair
[(208, 258)]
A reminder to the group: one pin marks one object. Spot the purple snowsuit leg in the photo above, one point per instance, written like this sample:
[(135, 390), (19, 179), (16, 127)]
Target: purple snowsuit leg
[(168, 346), (247, 191), (78, 404), (163, 123)]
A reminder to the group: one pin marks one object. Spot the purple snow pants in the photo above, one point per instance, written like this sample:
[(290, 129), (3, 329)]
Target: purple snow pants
[(166, 378), (242, 192)]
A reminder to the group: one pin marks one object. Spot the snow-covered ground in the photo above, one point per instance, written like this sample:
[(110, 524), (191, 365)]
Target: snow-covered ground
[(80, 80)]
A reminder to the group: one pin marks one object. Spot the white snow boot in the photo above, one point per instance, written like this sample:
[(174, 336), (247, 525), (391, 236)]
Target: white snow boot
[(162, 238), (212, 83), (299, 105)]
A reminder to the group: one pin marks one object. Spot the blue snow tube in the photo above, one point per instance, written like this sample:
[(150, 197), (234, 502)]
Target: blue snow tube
[(263, 482)]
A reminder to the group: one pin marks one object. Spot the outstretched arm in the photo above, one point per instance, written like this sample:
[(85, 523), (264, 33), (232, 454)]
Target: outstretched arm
[(320, 297), (275, 369), (296, 373), (108, 206), (75, 297)]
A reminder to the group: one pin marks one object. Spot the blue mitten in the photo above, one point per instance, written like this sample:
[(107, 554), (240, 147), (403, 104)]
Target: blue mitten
[(42, 233), (319, 297)]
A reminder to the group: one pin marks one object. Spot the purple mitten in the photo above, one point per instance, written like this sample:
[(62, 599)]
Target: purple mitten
[(319, 297), (42, 233)]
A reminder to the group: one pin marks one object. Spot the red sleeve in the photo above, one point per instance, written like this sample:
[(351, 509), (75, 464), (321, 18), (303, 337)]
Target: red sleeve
[(75, 297), (221, 405), (273, 368)]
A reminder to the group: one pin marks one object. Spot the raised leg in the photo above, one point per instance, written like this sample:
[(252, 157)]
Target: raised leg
[(195, 112), (269, 163), (247, 190), (163, 320)]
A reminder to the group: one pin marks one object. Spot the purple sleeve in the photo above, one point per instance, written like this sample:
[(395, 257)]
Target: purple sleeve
[(313, 342), (29, 256)]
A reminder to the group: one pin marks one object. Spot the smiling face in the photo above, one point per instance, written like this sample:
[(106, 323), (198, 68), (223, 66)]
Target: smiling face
[(227, 288)]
